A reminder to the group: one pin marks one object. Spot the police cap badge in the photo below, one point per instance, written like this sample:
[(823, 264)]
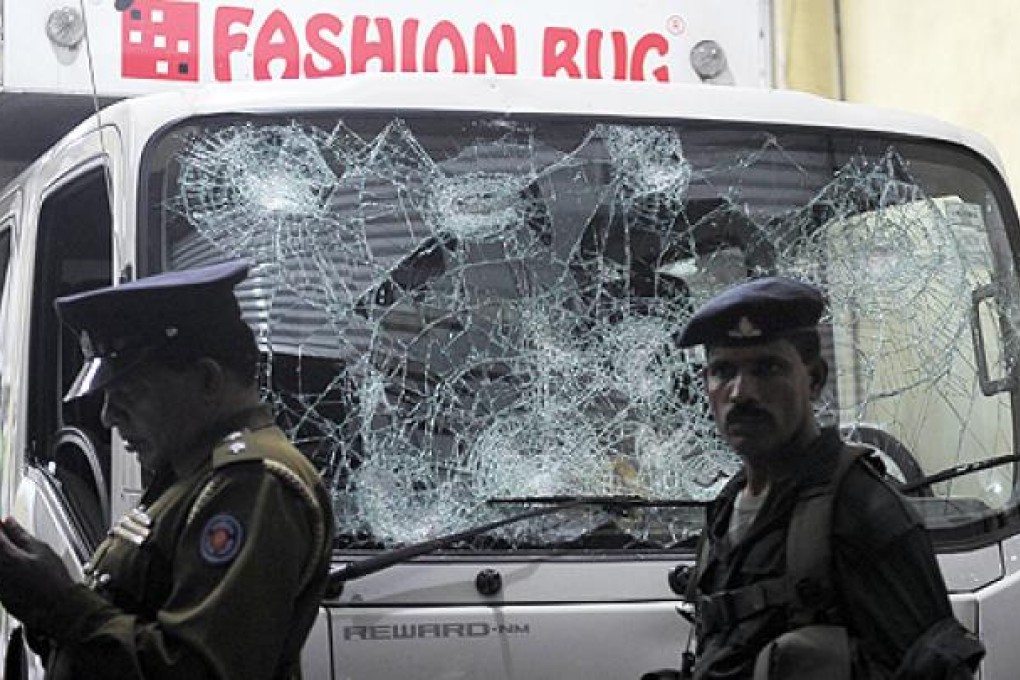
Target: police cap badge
[(119, 326)]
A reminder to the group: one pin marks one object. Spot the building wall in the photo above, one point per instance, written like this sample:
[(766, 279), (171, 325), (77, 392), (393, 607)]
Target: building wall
[(952, 59), (805, 46)]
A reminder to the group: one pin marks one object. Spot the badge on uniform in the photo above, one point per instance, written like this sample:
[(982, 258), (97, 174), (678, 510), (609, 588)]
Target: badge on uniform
[(221, 539)]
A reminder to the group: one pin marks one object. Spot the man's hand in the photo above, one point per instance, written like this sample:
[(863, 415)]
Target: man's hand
[(32, 576)]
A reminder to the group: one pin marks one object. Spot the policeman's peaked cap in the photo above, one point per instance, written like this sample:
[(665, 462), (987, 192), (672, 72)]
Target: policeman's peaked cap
[(754, 312), (175, 312)]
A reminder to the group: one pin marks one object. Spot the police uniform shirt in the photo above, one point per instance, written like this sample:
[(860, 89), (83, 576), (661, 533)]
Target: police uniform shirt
[(218, 574)]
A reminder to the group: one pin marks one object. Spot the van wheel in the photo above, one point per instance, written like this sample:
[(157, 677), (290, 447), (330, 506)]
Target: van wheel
[(901, 467)]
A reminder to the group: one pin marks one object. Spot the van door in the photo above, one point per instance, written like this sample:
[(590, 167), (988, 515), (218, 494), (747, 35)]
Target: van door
[(68, 448), (9, 209), (63, 495)]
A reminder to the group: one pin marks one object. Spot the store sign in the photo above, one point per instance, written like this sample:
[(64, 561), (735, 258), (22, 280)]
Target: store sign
[(145, 45)]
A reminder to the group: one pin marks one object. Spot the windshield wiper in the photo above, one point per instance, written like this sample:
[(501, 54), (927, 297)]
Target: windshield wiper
[(552, 504), (958, 471), (609, 501)]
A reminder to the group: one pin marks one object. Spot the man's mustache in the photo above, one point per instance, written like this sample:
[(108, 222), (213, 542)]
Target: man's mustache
[(747, 413)]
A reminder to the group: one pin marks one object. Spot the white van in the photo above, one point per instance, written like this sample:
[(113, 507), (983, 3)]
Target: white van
[(466, 289)]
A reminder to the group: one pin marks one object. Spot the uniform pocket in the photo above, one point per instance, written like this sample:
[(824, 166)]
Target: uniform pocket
[(808, 653), (130, 573)]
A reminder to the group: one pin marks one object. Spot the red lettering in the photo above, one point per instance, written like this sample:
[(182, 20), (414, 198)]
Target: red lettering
[(502, 58), (226, 43), (445, 32), (279, 50), (268, 49), (409, 46), (592, 57), (646, 44), (559, 46), (363, 50), (619, 55), (336, 65)]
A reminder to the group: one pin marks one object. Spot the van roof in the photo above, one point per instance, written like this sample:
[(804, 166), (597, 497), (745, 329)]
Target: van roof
[(515, 95)]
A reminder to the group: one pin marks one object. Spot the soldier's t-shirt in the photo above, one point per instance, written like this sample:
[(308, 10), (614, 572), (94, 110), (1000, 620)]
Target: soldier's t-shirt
[(745, 508)]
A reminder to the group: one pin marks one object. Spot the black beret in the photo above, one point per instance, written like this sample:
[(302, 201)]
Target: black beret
[(119, 326), (753, 312)]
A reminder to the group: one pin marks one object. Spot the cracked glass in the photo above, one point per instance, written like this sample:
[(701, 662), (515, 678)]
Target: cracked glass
[(456, 309)]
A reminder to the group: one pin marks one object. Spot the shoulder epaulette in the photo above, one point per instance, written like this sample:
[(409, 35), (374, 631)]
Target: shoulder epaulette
[(254, 446), (236, 447)]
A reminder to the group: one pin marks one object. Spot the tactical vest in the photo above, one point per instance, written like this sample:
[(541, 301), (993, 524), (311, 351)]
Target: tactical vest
[(805, 589)]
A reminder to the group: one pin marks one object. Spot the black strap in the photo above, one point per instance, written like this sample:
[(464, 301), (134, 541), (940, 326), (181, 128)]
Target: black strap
[(809, 545), (700, 562), (729, 607)]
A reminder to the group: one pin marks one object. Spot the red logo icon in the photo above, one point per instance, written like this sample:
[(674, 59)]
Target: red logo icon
[(159, 40)]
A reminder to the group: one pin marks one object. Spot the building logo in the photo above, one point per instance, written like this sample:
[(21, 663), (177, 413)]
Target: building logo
[(159, 40)]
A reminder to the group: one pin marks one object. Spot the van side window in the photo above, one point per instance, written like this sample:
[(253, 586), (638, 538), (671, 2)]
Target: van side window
[(74, 254)]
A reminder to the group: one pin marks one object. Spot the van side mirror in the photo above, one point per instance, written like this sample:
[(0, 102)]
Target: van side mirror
[(983, 298)]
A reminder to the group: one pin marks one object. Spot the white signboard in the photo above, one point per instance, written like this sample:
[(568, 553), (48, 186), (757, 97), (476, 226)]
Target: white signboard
[(139, 46)]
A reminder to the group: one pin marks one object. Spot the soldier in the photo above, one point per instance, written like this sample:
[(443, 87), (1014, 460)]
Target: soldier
[(218, 573), (881, 592)]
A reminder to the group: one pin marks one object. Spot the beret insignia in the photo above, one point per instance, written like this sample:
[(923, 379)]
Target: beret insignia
[(745, 328)]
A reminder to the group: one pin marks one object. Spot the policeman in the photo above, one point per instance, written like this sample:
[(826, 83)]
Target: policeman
[(218, 573), (763, 371)]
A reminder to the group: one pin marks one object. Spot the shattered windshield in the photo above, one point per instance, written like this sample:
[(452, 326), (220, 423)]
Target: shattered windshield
[(458, 308)]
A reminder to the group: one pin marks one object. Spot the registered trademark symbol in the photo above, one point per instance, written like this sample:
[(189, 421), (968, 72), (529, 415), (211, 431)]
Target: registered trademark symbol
[(675, 24)]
